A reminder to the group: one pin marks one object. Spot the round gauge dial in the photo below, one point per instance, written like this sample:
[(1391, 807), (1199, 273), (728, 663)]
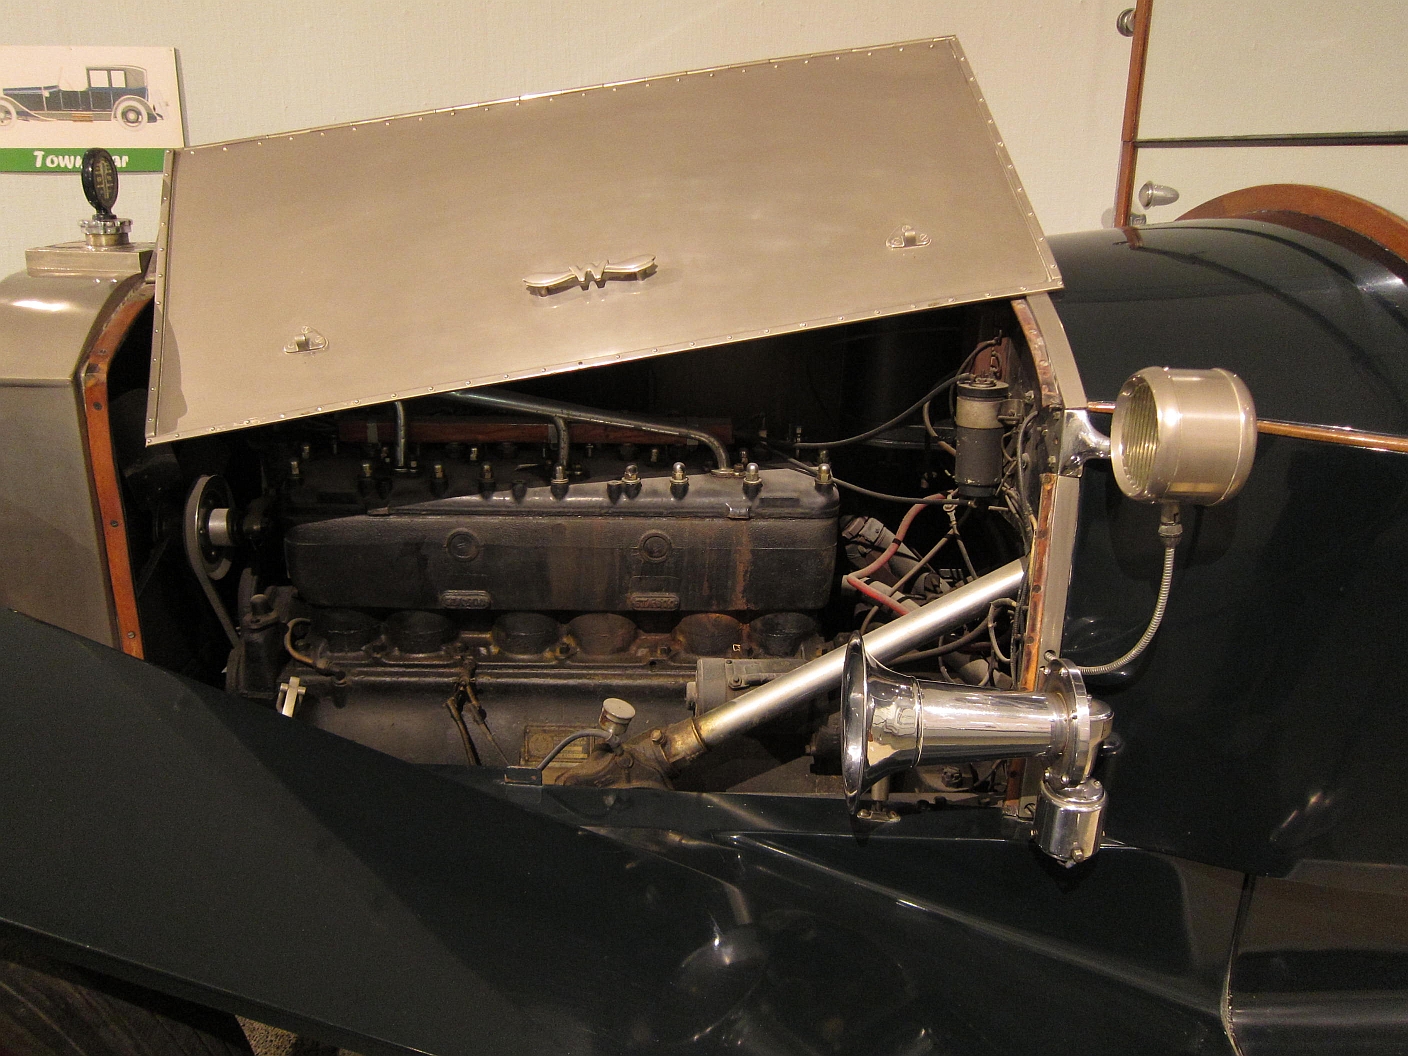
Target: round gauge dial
[(100, 181)]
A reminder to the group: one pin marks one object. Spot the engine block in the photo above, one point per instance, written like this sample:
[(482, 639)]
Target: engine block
[(497, 539)]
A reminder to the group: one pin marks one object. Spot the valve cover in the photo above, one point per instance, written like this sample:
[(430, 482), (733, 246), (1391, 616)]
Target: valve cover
[(714, 545)]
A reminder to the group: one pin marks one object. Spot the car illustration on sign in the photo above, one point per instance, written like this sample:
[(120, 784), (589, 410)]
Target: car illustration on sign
[(105, 93)]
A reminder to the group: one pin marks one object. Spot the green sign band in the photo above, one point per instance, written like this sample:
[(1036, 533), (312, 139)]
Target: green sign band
[(70, 159)]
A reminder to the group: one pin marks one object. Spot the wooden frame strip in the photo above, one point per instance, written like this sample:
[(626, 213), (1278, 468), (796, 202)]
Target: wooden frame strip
[(1273, 201), (1133, 100), (102, 465)]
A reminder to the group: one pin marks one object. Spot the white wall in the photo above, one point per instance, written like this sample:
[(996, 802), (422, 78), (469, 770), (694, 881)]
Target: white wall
[(1274, 67), (1263, 67), (1053, 71)]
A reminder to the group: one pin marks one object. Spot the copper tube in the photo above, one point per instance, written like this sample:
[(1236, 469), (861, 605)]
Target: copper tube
[(1326, 434), (502, 399)]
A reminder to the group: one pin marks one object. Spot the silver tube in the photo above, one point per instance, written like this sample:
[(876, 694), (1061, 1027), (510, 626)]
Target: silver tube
[(779, 696), (497, 399), (400, 434)]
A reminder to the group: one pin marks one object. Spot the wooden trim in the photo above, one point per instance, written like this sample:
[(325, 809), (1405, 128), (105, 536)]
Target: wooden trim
[(102, 466), (1325, 434), (1133, 101), (1366, 219), (1015, 801)]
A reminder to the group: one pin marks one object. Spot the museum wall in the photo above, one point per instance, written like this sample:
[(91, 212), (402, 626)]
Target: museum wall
[(1053, 72)]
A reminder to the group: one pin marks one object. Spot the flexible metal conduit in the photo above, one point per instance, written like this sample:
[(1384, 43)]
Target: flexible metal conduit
[(1160, 605), (499, 400), (894, 639)]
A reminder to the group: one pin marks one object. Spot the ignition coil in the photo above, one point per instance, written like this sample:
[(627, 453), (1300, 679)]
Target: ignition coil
[(978, 440)]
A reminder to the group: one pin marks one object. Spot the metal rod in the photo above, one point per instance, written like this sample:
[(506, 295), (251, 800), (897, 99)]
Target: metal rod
[(785, 692), (499, 400), (1325, 434)]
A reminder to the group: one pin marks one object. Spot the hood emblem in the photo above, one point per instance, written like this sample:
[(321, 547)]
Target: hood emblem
[(307, 340), (905, 237), (548, 282)]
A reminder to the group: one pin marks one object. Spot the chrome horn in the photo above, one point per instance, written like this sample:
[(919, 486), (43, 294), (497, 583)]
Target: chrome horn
[(891, 722)]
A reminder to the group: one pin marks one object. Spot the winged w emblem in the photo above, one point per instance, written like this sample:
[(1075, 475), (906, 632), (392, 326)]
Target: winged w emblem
[(548, 282)]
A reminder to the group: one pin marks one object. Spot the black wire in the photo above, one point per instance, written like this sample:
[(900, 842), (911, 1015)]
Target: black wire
[(477, 713), (470, 752), (951, 647), (913, 501), (861, 437), (811, 470)]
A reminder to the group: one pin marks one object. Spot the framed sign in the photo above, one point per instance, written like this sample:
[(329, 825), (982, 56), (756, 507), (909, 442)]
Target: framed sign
[(55, 102)]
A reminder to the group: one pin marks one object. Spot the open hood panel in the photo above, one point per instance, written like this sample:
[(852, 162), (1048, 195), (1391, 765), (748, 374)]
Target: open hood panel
[(361, 263)]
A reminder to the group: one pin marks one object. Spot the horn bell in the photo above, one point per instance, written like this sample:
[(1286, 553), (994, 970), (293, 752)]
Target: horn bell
[(892, 722)]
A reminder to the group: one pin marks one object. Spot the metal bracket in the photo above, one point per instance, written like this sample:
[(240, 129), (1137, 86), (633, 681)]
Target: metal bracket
[(905, 237), (290, 694), (306, 340), (1080, 442), (740, 674)]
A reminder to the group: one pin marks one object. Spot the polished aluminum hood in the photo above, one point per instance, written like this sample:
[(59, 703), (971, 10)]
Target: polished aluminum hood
[(360, 263)]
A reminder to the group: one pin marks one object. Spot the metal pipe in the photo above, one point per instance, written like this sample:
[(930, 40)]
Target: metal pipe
[(1328, 434), (400, 434), (499, 400), (894, 639), (564, 442)]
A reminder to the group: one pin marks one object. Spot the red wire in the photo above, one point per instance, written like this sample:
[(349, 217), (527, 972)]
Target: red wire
[(874, 595), (854, 578)]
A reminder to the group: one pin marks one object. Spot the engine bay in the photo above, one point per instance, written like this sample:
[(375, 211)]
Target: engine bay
[(464, 578)]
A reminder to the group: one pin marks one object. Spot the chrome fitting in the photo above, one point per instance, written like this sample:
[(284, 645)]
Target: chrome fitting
[(752, 480), (616, 716), (1070, 821)]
